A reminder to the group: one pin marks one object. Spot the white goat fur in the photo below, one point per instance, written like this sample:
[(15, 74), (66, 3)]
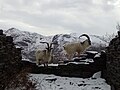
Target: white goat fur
[(74, 47), (43, 57)]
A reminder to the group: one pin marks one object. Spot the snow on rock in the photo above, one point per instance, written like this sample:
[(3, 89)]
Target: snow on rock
[(97, 55), (52, 82), (93, 52), (48, 65), (97, 75)]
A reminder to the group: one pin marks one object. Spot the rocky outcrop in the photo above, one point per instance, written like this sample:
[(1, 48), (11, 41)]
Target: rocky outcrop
[(84, 67), (10, 60), (113, 63), (30, 42)]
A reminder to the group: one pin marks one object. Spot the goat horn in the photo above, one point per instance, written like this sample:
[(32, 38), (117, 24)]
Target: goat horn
[(52, 44), (46, 43), (87, 38)]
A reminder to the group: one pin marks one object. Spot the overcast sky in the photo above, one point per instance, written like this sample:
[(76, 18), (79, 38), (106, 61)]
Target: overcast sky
[(50, 17)]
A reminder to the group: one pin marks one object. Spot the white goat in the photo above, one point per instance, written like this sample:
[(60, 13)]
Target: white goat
[(78, 47), (44, 56)]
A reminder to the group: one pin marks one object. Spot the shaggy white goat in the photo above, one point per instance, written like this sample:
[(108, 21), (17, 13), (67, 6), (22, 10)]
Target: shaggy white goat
[(44, 56), (78, 47)]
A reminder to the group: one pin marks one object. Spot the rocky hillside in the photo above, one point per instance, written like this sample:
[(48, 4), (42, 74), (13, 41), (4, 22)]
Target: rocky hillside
[(31, 41)]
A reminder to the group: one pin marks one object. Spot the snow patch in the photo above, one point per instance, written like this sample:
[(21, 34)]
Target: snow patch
[(52, 82)]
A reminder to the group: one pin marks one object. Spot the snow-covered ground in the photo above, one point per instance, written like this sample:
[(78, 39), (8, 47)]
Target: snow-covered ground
[(52, 82)]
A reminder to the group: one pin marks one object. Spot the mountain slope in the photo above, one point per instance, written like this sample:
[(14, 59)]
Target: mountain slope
[(26, 40), (30, 42)]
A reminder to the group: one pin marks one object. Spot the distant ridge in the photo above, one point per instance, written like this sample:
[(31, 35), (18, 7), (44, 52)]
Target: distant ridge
[(30, 42)]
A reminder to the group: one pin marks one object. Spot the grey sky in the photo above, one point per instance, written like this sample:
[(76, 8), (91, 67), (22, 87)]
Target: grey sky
[(49, 17)]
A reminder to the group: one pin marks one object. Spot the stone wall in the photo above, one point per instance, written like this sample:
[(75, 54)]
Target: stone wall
[(113, 63), (10, 60)]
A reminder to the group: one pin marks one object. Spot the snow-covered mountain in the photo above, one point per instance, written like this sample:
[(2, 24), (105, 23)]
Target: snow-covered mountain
[(26, 40), (30, 42)]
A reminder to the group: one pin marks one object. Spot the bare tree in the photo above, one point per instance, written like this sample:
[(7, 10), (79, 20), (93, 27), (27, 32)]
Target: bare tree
[(118, 26), (108, 37)]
